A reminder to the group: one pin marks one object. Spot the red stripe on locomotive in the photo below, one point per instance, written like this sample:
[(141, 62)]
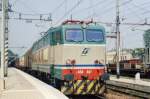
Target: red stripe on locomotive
[(78, 73)]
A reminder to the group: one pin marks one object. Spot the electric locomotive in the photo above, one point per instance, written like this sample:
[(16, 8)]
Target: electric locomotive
[(72, 57)]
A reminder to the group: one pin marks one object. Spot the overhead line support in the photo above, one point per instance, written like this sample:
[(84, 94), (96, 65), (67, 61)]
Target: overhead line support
[(3, 36), (117, 39)]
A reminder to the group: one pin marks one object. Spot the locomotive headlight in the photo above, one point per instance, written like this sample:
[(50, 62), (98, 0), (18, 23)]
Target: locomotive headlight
[(73, 62), (96, 61), (68, 62)]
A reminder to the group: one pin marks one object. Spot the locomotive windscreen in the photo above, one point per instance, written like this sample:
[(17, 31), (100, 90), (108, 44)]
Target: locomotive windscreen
[(94, 35), (74, 35)]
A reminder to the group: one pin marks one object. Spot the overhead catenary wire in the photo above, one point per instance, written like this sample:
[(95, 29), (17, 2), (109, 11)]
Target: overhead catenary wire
[(126, 2), (140, 23), (38, 14), (113, 7), (13, 4), (135, 11), (58, 7), (69, 11), (29, 19), (33, 12), (103, 5), (100, 4), (28, 7), (141, 8), (144, 3), (132, 12), (93, 6)]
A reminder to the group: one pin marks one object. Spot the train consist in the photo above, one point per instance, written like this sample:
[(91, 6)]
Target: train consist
[(130, 68), (127, 67), (72, 56)]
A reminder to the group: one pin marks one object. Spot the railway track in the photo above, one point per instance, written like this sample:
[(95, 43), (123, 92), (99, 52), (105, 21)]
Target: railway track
[(129, 86)]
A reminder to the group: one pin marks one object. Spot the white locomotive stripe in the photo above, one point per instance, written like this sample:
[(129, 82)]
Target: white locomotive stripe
[(84, 44), (79, 67)]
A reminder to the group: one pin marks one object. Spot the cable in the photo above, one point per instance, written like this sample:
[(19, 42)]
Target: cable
[(93, 6), (74, 7), (126, 2), (135, 12), (37, 14), (29, 19), (28, 7), (97, 4), (16, 12), (109, 3), (111, 8), (131, 12), (14, 3), (141, 8), (145, 3), (58, 7)]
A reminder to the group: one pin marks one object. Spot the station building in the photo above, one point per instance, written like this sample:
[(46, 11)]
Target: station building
[(124, 55)]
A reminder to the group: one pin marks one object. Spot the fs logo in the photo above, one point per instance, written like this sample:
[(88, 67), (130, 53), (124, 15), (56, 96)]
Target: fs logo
[(85, 51)]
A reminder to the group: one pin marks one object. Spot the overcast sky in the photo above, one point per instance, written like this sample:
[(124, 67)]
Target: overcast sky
[(24, 34)]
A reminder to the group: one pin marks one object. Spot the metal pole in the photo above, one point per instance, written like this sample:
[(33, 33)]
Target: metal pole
[(3, 43), (6, 39), (118, 38)]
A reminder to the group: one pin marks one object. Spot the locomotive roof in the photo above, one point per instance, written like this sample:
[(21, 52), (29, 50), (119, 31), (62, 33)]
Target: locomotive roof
[(67, 26), (70, 26)]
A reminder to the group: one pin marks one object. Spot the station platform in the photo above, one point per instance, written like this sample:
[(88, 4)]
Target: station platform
[(140, 88), (20, 85), (143, 82)]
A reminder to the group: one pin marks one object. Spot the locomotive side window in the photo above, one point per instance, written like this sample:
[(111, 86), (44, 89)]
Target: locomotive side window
[(44, 41), (41, 43), (57, 37), (74, 35), (94, 35)]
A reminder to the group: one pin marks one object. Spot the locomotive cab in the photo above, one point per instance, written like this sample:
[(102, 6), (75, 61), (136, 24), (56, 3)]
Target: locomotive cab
[(80, 57)]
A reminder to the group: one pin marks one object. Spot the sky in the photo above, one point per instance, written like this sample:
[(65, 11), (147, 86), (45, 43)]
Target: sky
[(23, 34)]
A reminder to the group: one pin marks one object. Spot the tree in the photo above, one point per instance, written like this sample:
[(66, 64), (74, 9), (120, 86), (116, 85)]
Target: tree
[(138, 53)]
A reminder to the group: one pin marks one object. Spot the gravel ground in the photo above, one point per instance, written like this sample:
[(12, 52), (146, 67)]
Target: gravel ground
[(115, 95)]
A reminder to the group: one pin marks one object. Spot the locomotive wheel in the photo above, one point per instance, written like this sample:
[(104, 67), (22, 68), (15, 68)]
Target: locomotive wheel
[(58, 84)]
